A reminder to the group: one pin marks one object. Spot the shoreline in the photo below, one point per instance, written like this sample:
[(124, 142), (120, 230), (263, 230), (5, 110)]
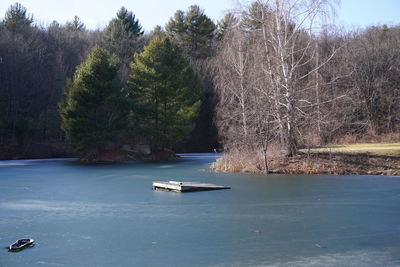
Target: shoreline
[(304, 163), (312, 163)]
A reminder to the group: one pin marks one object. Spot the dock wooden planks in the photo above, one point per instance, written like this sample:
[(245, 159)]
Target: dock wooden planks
[(186, 186)]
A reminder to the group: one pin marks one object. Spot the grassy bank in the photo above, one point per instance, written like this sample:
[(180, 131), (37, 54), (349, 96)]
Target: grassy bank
[(371, 159), (383, 149)]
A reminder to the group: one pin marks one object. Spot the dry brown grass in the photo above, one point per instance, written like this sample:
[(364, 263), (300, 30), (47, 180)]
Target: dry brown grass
[(239, 162), (310, 163)]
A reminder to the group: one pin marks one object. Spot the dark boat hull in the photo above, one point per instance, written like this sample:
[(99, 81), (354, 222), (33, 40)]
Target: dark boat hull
[(21, 244)]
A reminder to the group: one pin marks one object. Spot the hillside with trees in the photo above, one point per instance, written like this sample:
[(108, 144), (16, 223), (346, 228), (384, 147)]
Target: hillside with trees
[(283, 85), (268, 79)]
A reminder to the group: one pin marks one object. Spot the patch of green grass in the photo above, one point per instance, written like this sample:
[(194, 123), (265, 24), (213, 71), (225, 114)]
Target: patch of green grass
[(385, 149)]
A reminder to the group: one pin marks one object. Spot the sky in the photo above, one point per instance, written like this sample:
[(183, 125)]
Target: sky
[(97, 13)]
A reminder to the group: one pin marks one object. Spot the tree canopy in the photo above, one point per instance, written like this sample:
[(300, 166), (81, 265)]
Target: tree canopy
[(120, 30), (122, 37), (76, 24), (95, 110), (193, 31), (225, 24), (17, 17), (163, 87)]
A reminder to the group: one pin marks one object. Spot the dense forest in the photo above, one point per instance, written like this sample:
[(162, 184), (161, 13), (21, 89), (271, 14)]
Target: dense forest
[(261, 77), (43, 69), (285, 79)]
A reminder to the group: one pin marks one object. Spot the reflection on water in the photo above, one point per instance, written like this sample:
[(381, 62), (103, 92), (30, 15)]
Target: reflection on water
[(107, 215)]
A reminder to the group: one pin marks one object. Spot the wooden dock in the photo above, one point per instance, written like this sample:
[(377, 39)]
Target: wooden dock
[(186, 186)]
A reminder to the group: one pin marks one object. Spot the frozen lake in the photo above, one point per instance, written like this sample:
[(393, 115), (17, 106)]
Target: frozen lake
[(107, 215)]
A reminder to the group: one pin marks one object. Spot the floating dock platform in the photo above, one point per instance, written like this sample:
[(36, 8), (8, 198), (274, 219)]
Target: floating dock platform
[(186, 186)]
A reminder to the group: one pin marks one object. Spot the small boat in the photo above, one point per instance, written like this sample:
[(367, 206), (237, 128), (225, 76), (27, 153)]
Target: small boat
[(21, 243)]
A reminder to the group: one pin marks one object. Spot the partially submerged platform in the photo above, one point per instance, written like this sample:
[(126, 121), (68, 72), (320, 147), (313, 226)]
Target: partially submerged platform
[(186, 186)]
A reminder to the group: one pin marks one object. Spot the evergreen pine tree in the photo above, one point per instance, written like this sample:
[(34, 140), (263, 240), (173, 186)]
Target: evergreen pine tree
[(127, 18), (122, 38), (121, 34), (17, 17), (75, 25), (193, 31), (224, 25), (176, 28), (163, 88), (95, 111)]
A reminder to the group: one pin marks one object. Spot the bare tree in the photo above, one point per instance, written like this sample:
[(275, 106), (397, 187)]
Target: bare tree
[(286, 31), (232, 81), (377, 64), (245, 116)]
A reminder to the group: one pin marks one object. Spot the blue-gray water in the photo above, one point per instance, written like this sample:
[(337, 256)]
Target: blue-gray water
[(107, 215)]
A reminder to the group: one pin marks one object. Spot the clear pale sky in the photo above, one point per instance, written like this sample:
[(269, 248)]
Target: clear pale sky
[(97, 13)]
